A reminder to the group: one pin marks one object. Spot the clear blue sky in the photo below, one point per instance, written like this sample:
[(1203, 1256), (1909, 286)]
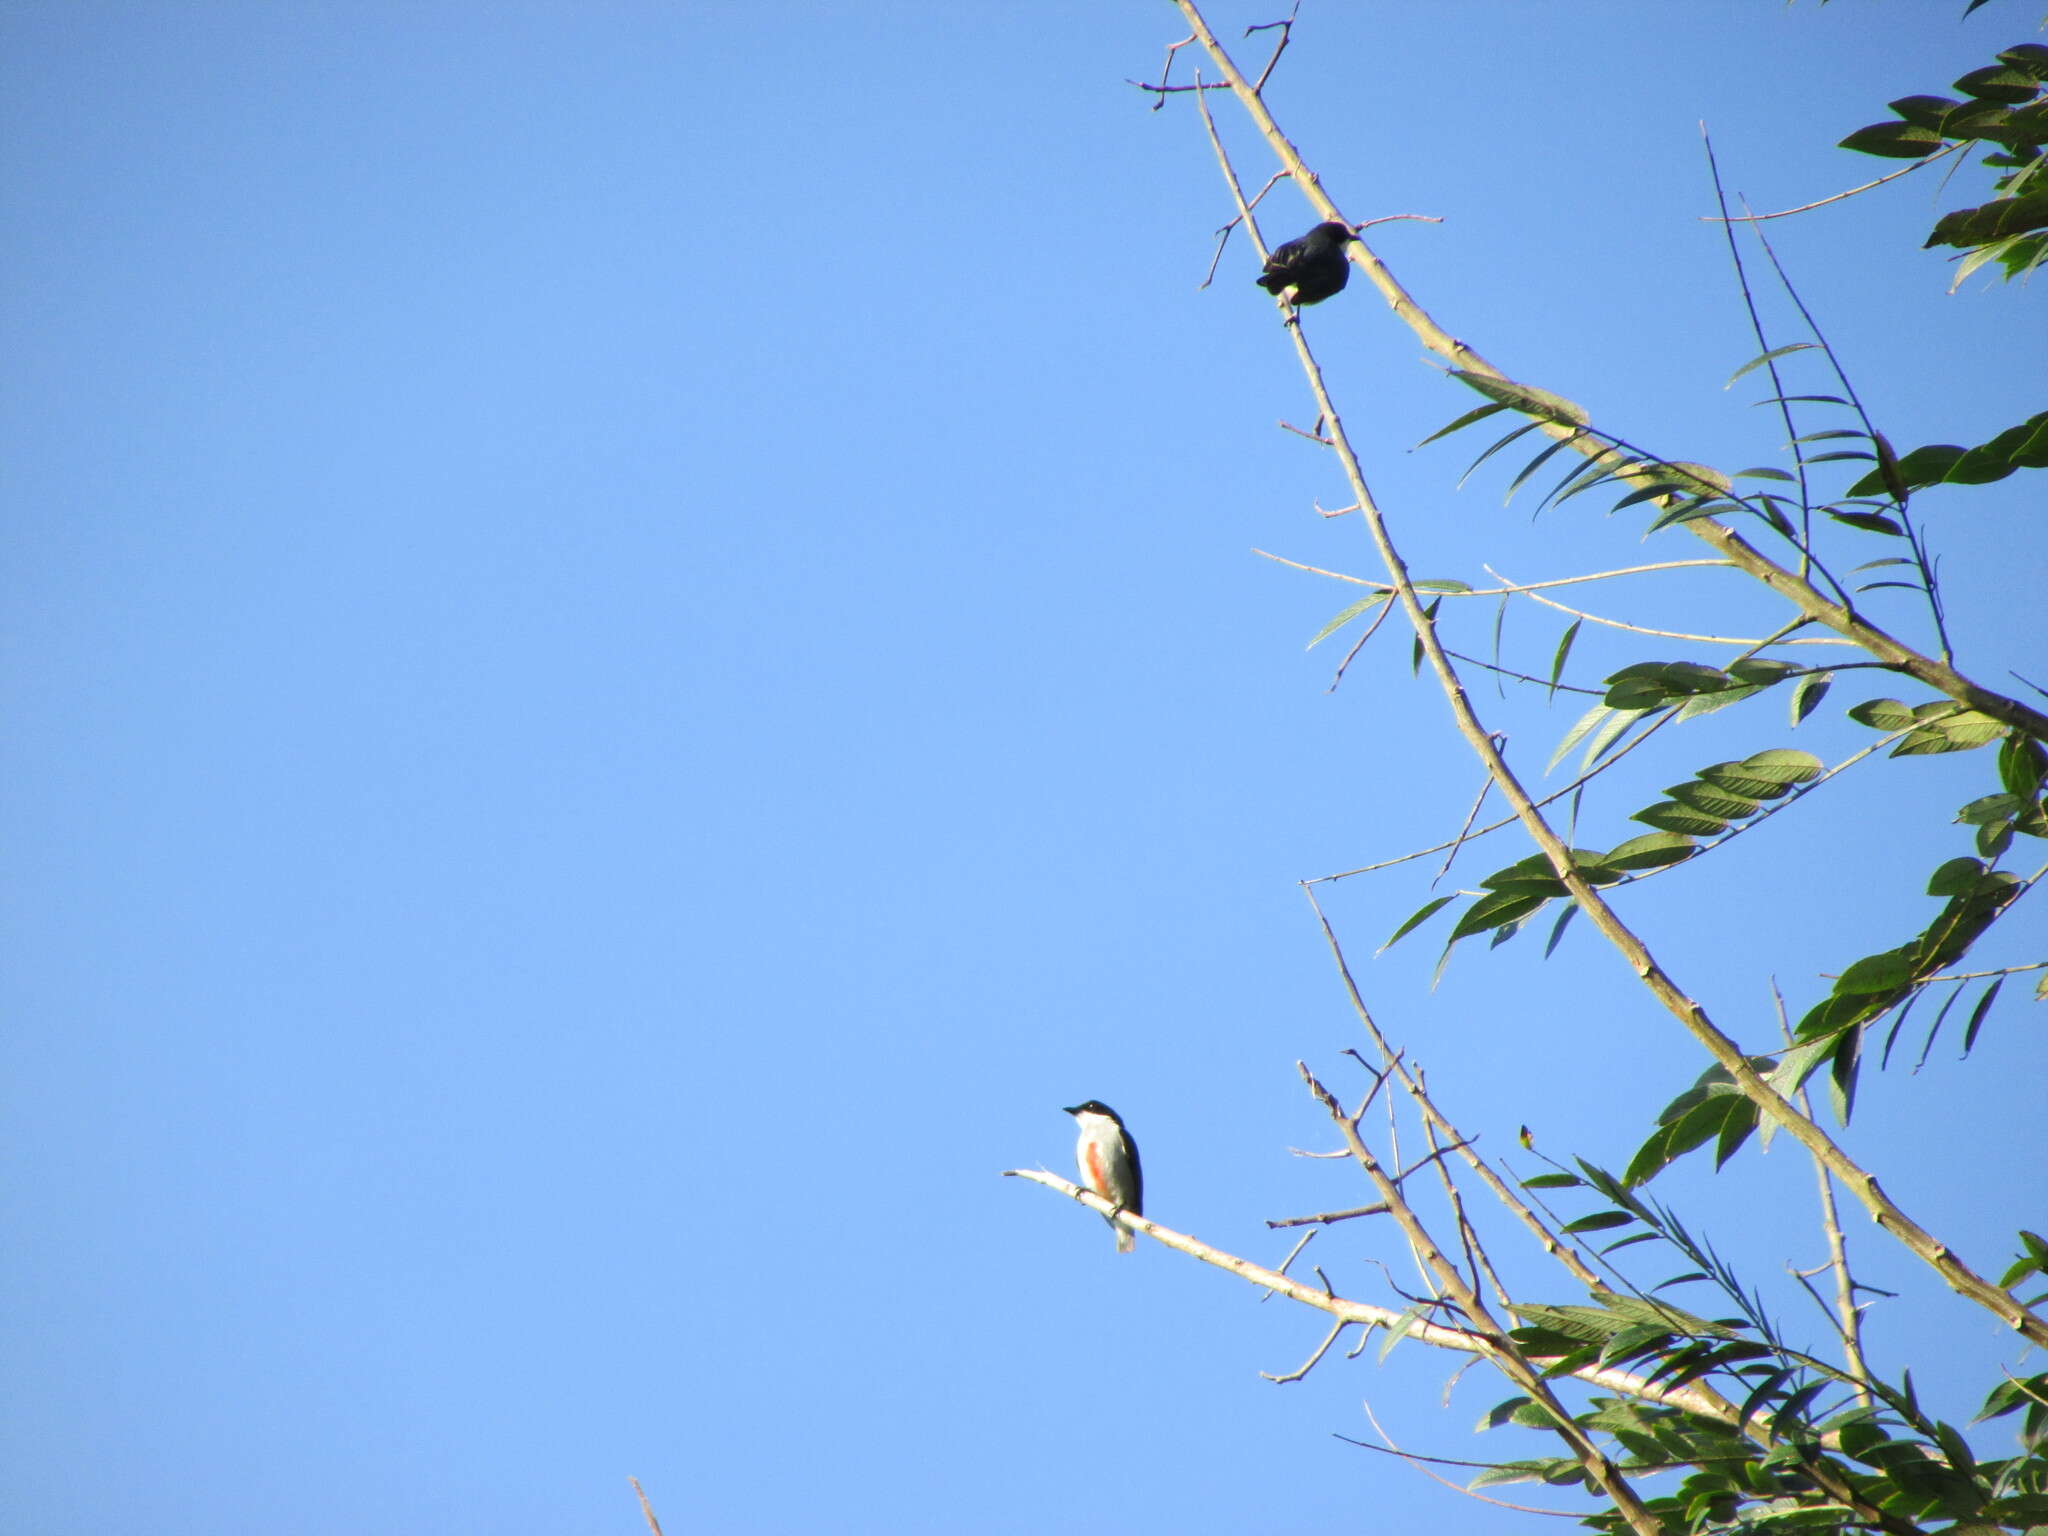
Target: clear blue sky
[(632, 650)]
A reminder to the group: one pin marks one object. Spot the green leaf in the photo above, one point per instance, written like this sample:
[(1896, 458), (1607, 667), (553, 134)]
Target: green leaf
[(1958, 877), (1721, 1115), (1884, 972), (1766, 357), (2028, 58), (1765, 775), (1428, 910), (1564, 649), (1647, 684), (1999, 83), (1894, 141), (1669, 816), (1996, 220), (1496, 909), (1709, 800), (1535, 464), (1610, 733), (1977, 1015), (1925, 111), (1477, 413), (1765, 474), (1600, 1221), (1882, 714), (1552, 1181), (1527, 399), (1761, 670), (1564, 917), (1371, 600), (1653, 850), (1706, 703), (1499, 443), (1808, 692), (1869, 522), (1585, 723)]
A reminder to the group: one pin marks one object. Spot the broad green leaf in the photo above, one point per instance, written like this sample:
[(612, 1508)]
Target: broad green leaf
[(1925, 111), (1958, 877), (1797, 1064), (1996, 82), (1767, 774), (1716, 1116), (1882, 714), (1671, 679), (1495, 910), (1998, 219), (1885, 972), (1710, 800), (1652, 850), (1894, 141), (1763, 670), (1706, 703), (1669, 816), (1808, 692)]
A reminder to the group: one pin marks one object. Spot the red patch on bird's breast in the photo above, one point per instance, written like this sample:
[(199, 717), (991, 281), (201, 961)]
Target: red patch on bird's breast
[(1097, 1175)]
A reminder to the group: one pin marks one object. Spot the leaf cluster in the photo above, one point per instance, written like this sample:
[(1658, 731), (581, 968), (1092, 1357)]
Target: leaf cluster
[(1801, 1445), (2003, 107)]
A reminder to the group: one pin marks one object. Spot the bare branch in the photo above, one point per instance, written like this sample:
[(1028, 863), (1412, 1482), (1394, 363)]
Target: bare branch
[(1309, 1364), (1692, 1399), (1324, 1217), (646, 1509), (1786, 213)]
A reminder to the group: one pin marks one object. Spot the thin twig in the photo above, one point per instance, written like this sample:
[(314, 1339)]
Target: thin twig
[(1309, 1364), (1639, 629), (1418, 1462), (1785, 213), (1322, 1217), (646, 1509)]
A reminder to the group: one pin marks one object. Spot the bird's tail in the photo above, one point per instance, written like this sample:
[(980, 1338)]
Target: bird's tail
[(1124, 1241)]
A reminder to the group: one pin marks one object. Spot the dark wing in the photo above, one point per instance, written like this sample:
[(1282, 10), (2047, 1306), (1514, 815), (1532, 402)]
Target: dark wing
[(1137, 1205), (1280, 265)]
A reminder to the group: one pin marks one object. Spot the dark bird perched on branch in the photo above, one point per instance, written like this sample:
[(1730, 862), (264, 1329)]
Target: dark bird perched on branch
[(1309, 270)]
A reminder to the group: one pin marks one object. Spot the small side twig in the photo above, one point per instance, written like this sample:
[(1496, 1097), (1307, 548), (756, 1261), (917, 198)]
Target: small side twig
[(1336, 1330)]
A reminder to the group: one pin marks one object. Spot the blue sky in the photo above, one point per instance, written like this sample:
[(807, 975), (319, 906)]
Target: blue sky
[(633, 650)]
